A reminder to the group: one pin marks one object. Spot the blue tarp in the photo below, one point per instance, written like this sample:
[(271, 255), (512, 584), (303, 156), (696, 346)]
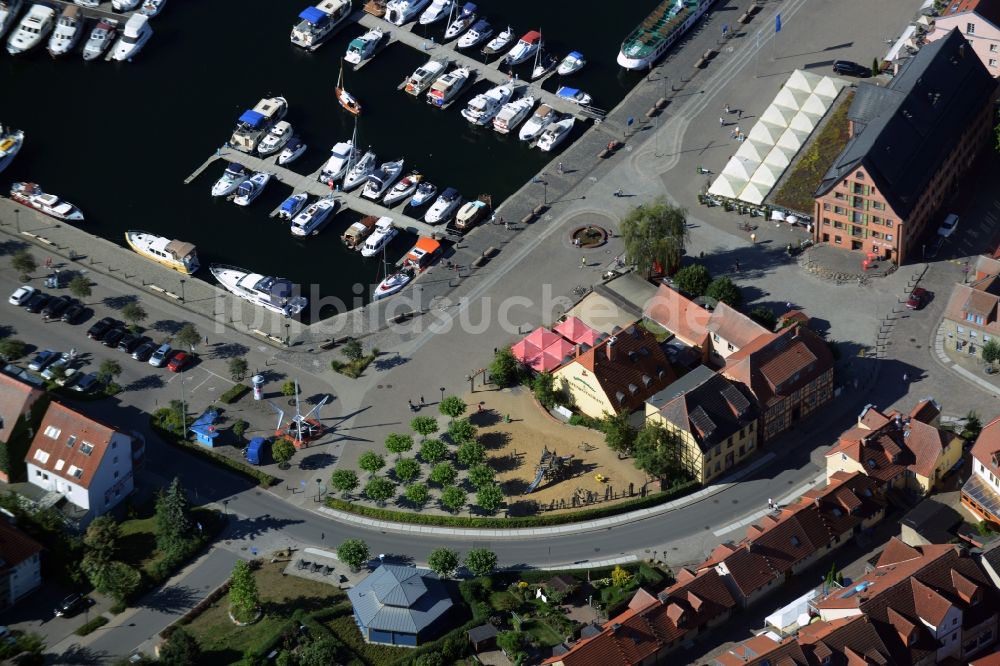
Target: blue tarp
[(469, 8), (567, 92), (314, 15), (576, 54), (252, 118), (290, 204), (255, 450)]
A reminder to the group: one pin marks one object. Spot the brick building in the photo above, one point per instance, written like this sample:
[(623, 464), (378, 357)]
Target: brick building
[(981, 492), (979, 23), (972, 315)]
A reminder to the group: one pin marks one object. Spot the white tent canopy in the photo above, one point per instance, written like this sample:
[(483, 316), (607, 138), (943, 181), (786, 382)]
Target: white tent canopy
[(792, 138), (766, 175), (727, 186), (765, 132), (789, 98), (829, 87), (778, 115), (741, 168), (779, 157), (754, 193), (753, 150), (814, 105), (802, 80), (803, 122)]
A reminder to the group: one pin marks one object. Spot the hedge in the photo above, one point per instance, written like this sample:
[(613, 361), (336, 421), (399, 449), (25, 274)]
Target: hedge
[(263, 478), (511, 523), (88, 627), (236, 392)]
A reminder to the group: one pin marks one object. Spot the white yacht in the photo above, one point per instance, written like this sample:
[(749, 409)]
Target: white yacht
[(33, 29), (291, 206), (341, 156), (317, 23), (401, 12), (525, 48), (555, 134), (152, 7), (461, 23), (384, 232), (364, 47), (100, 40), (32, 196), (11, 141), (234, 176), (444, 206), (425, 192), (404, 188), (438, 10), (251, 188), (135, 35), (542, 118), (382, 179), (68, 31), (274, 294), (9, 10), (255, 123), (292, 150), (275, 139), (545, 62), (177, 255), (448, 86), (391, 284), (483, 107), (573, 62), (312, 219), (573, 95), (500, 42), (359, 173), (424, 76), (122, 6), (512, 113), (482, 30)]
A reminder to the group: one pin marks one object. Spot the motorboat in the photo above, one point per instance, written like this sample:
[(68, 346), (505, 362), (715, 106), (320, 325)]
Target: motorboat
[(471, 213), (67, 33), (344, 98), (251, 188), (574, 95), (404, 188), (480, 31), (9, 10), (255, 123), (359, 173), (438, 10), (555, 134), (275, 139), (392, 284), (379, 238), (309, 221), (316, 24), (122, 6), (273, 293), (382, 179), (664, 25), (425, 192), (234, 176), (401, 12), (422, 254), (341, 156), (100, 40), (512, 113), (292, 150), (32, 30), (448, 86), (291, 206), (362, 48), (174, 254), (90, 4), (525, 48), (571, 64), (483, 107), (542, 118), (151, 8), (443, 207), (544, 63), (461, 23), (356, 234), (424, 76), (11, 141), (32, 196), (500, 42), (135, 35)]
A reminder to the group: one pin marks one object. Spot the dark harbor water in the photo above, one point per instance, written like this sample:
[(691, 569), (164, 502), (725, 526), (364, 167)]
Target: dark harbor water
[(118, 139)]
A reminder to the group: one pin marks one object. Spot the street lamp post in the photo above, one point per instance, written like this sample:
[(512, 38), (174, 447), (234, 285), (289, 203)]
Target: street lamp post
[(225, 507), (318, 488), (287, 337), (442, 394), (17, 219), (182, 289), (472, 383)]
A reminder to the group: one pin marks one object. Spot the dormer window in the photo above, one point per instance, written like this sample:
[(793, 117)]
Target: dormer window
[(71, 441), (52, 432)]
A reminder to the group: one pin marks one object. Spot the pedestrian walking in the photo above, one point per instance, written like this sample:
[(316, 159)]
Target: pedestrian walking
[(559, 167), (770, 503), (739, 114), (753, 239), (410, 403), (722, 122), (479, 408), (422, 400), (727, 109), (206, 339), (583, 262), (48, 262)]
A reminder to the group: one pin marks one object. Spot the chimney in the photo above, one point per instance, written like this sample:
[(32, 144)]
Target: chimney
[(610, 348), (578, 351), (615, 627)]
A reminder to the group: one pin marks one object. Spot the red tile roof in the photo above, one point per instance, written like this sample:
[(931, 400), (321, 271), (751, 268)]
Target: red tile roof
[(60, 446), (774, 366), (763, 649), (841, 639), (987, 447), (679, 315), (15, 545), (16, 397), (988, 9)]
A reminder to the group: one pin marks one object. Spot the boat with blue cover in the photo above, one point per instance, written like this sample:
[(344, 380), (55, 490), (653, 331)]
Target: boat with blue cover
[(254, 124), (316, 24), (291, 206)]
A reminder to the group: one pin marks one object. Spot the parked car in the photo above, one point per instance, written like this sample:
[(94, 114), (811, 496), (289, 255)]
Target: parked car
[(70, 377), (87, 383), (57, 280), (129, 343), (37, 302), (851, 68), (73, 313), (53, 368), (179, 361), (949, 225), (918, 298), (21, 295), (97, 331), (113, 336), (72, 605), (160, 356), (144, 351), (57, 306), (42, 359)]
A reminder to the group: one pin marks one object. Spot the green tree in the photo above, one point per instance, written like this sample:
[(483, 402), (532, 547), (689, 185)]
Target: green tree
[(380, 489), (443, 562), (693, 280), (461, 430), (481, 475), (481, 561), (289, 388), (353, 350), (12, 349), (101, 538), (424, 425), (990, 351), (109, 370), (417, 494), (173, 519), (512, 643), (244, 600), (79, 286), (321, 651), (371, 462), (188, 336), (344, 480), (353, 553), (620, 577), (543, 388), (658, 452), (24, 263), (973, 426), (398, 443), (251, 658), (654, 235), (239, 427), (470, 453), (407, 469), (618, 433), (452, 406), (181, 649), (430, 659), (453, 498), (490, 498), (443, 474), (725, 290), (763, 316), (237, 368), (134, 314), (282, 450), (433, 450), (120, 581), (875, 68), (504, 369)]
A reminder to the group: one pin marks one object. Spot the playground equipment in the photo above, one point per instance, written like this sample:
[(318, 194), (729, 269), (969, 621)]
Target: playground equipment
[(551, 467), (300, 429)]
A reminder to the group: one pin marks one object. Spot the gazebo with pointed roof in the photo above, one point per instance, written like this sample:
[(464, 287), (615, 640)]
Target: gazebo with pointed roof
[(401, 606)]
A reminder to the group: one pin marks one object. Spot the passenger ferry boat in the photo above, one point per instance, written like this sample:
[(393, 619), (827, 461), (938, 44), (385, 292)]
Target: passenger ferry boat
[(271, 293), (177, 255), (29, 194), (659, 31)]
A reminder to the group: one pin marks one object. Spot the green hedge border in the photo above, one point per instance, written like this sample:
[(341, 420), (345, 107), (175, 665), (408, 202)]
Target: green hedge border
[(91, 626), (510, 523), (234, 393), (262, 478)]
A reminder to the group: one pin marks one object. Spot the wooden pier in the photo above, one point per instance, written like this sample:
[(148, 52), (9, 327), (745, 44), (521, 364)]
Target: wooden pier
[(105, 11)]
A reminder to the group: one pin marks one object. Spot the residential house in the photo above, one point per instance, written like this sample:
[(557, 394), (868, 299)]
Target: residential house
[(911, 142), (789, 373), (846, 642), (981, 493), (401, 606), (972, 315), (20, 563), (763, 650), (714, 418), (979, 23), (16, 400), (87, 462), (905, 451), (929, 603), (617, 374)]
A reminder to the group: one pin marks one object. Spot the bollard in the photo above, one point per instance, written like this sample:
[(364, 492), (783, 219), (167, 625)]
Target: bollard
[(539, 209), (660, 103)]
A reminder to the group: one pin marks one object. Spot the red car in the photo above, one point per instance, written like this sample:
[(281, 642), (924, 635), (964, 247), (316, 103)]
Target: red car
[(180, 361), (918, 299)]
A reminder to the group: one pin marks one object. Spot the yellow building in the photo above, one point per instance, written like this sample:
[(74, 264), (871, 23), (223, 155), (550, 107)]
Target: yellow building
[(715, 418)]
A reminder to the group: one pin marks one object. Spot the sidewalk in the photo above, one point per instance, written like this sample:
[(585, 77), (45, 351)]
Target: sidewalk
[(944, 358)]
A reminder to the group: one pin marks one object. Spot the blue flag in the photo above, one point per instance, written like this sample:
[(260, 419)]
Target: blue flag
[(777, 22)]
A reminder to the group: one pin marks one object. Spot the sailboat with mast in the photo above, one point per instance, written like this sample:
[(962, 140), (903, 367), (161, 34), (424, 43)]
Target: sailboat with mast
[(545, 62), (342, 157), (346, 99)]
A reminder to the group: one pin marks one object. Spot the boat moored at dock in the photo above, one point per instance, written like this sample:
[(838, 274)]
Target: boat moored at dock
[(401, 12), (484, 107), (664, 26), (403, 189), (251, 188), (234, 176), (11, 141), (525, 48), (512, 113), (462, 22), (444, 206), (291, 206), (542, 118), (272, 293), (499, 43), (392, 284), (481, 31), (32, 196), (573, 62), (174, 254), (255, 123), (438, 10), (292, 151), (425, 75), (382, 179), (100, 40), (362, 48), (447, 87), (317, 23), (356, 234), (67, 33), (32, 30), (341, 156), (360, 171), (555, 134), (379, 238), (309, 221), (8, 14), (275, 139), (135, 35)]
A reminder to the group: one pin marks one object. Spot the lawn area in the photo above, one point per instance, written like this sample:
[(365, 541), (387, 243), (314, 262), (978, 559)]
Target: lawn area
[(343, 628), (661, 334), (541, 632), (137, 546), (797, 191), (224, 643)]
